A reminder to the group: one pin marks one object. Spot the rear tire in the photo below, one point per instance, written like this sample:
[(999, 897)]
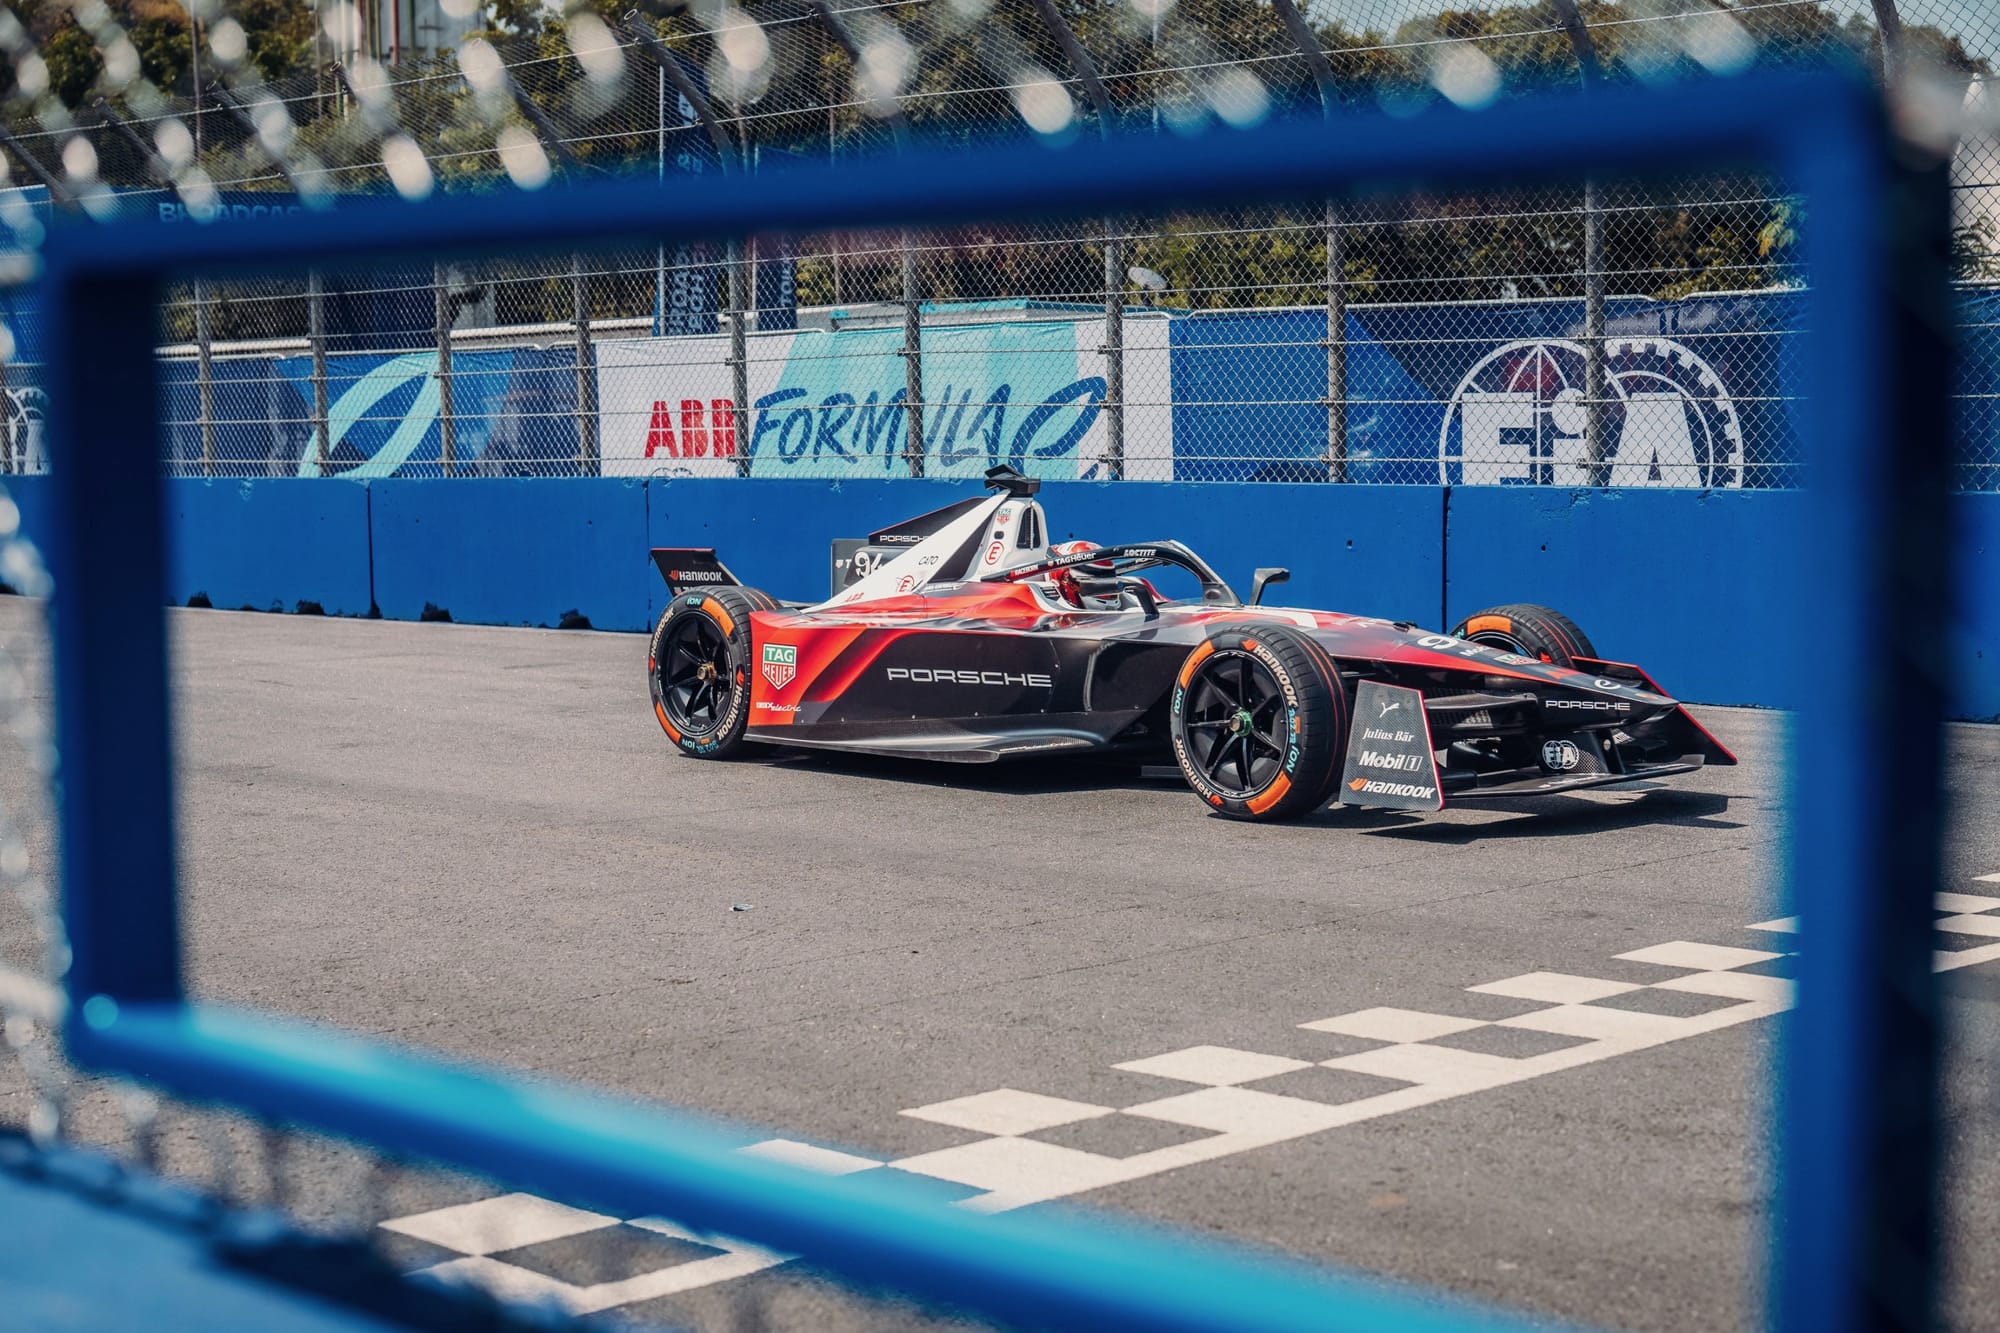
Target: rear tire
[(1259, 723), (1530, 630), (699, 669)]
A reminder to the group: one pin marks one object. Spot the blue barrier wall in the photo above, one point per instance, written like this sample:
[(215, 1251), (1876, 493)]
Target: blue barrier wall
[(1687, 583), (525, 551), (265, 545), (34, 497), (1976, 651), (269, 545), (1690, 584)]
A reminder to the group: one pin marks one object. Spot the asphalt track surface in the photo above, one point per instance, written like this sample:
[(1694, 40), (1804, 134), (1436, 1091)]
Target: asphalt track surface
[(477, 840)]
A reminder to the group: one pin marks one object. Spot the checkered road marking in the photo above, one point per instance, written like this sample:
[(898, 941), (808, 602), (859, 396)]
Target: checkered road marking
[(522, 1246)]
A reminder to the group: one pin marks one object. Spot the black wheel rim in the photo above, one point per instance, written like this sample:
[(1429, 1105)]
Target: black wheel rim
[(1232, 721), (696, 679)]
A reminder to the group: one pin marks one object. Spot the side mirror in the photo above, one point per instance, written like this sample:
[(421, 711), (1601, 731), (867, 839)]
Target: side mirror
[(1263, 579)]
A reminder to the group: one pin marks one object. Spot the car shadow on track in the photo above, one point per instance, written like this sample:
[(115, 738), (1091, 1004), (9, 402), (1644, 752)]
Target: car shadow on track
[(1028, 777), (1529, 817), (1538, 817)]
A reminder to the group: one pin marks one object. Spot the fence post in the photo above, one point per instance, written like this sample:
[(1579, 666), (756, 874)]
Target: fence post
[(7, 462), (316, 335), (1336, 347), (1597, 388), (913, 363), (204, 377), (1114, 355), (447, 427), (1114, 264), (1321, 69), (1889, 23), (1597, 385), (739, 364), (912, 350), (586, 378)]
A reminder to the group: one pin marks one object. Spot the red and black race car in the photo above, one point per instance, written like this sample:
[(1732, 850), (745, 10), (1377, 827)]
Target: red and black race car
[(964, 635)]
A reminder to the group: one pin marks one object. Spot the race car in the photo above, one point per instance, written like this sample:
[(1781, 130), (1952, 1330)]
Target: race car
[(964, 635)]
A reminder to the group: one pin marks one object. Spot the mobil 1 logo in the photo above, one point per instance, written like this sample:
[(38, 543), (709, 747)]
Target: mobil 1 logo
[(1389, 758)]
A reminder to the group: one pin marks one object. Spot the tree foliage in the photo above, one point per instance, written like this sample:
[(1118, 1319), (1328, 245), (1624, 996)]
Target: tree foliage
[(280, 40), (968, 68)]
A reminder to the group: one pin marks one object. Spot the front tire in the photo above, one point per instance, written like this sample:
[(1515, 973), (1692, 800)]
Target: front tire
[(1259, 721), (1530, 630), (699, 669)]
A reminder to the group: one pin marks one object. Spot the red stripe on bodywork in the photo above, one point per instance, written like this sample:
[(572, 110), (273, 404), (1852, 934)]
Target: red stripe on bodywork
[(818, 648), (862, 656)]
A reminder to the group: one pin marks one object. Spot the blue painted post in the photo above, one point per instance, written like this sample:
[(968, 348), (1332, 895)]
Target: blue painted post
[(1857, 1242), (106, 556)]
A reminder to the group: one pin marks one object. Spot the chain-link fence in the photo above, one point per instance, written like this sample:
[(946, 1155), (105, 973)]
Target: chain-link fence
[(339, 1223), (1631, 333)]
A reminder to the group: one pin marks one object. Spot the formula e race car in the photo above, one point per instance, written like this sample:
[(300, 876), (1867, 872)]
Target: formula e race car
[(964, 635)]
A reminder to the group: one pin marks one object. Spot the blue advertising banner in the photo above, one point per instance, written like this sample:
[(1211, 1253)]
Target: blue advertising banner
[(513, 413), (777, 288), (1493, 393), (1978, 392)]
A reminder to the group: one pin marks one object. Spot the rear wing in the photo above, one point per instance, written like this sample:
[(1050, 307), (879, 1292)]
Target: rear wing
[(689, 567)]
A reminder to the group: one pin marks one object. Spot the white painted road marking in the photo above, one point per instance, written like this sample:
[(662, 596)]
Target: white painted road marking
[(1555, 988), (1217, 1066), (506, 1223), (1699, 957), (1735, 986), (1390, 1025), (1013, 1170), (1007, 1111), (810, 1156)]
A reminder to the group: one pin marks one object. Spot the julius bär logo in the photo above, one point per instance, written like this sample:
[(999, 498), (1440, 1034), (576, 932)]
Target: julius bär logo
[(781, 663), (1520, 414)]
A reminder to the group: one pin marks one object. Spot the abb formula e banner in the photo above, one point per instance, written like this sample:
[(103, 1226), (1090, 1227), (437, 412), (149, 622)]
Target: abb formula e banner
[(1029, 395)]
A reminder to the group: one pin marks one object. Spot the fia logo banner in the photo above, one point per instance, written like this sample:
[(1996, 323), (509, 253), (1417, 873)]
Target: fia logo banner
[(1520, 416)]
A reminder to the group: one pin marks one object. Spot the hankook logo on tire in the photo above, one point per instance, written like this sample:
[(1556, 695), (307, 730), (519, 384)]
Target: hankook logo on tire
[(1520, 414)]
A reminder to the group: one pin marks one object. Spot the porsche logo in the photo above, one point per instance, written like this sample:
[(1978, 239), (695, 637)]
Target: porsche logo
[(781, 663)]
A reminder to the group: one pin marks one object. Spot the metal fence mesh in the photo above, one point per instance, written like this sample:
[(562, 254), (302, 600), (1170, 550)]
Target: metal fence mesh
[(1636, 330), (326, 1216)]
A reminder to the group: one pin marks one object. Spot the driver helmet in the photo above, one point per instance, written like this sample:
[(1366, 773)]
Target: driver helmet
[(1064, 580)]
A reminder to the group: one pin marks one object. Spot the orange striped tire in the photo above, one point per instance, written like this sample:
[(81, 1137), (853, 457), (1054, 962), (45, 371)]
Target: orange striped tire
[(699, 669), (1533, 631), (1259, 722)]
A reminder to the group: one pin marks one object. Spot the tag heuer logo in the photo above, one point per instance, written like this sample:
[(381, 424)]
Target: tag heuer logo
[(781, 663)]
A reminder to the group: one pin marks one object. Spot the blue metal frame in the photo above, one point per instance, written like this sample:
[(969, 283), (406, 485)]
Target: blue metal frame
[(131, 1015)]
